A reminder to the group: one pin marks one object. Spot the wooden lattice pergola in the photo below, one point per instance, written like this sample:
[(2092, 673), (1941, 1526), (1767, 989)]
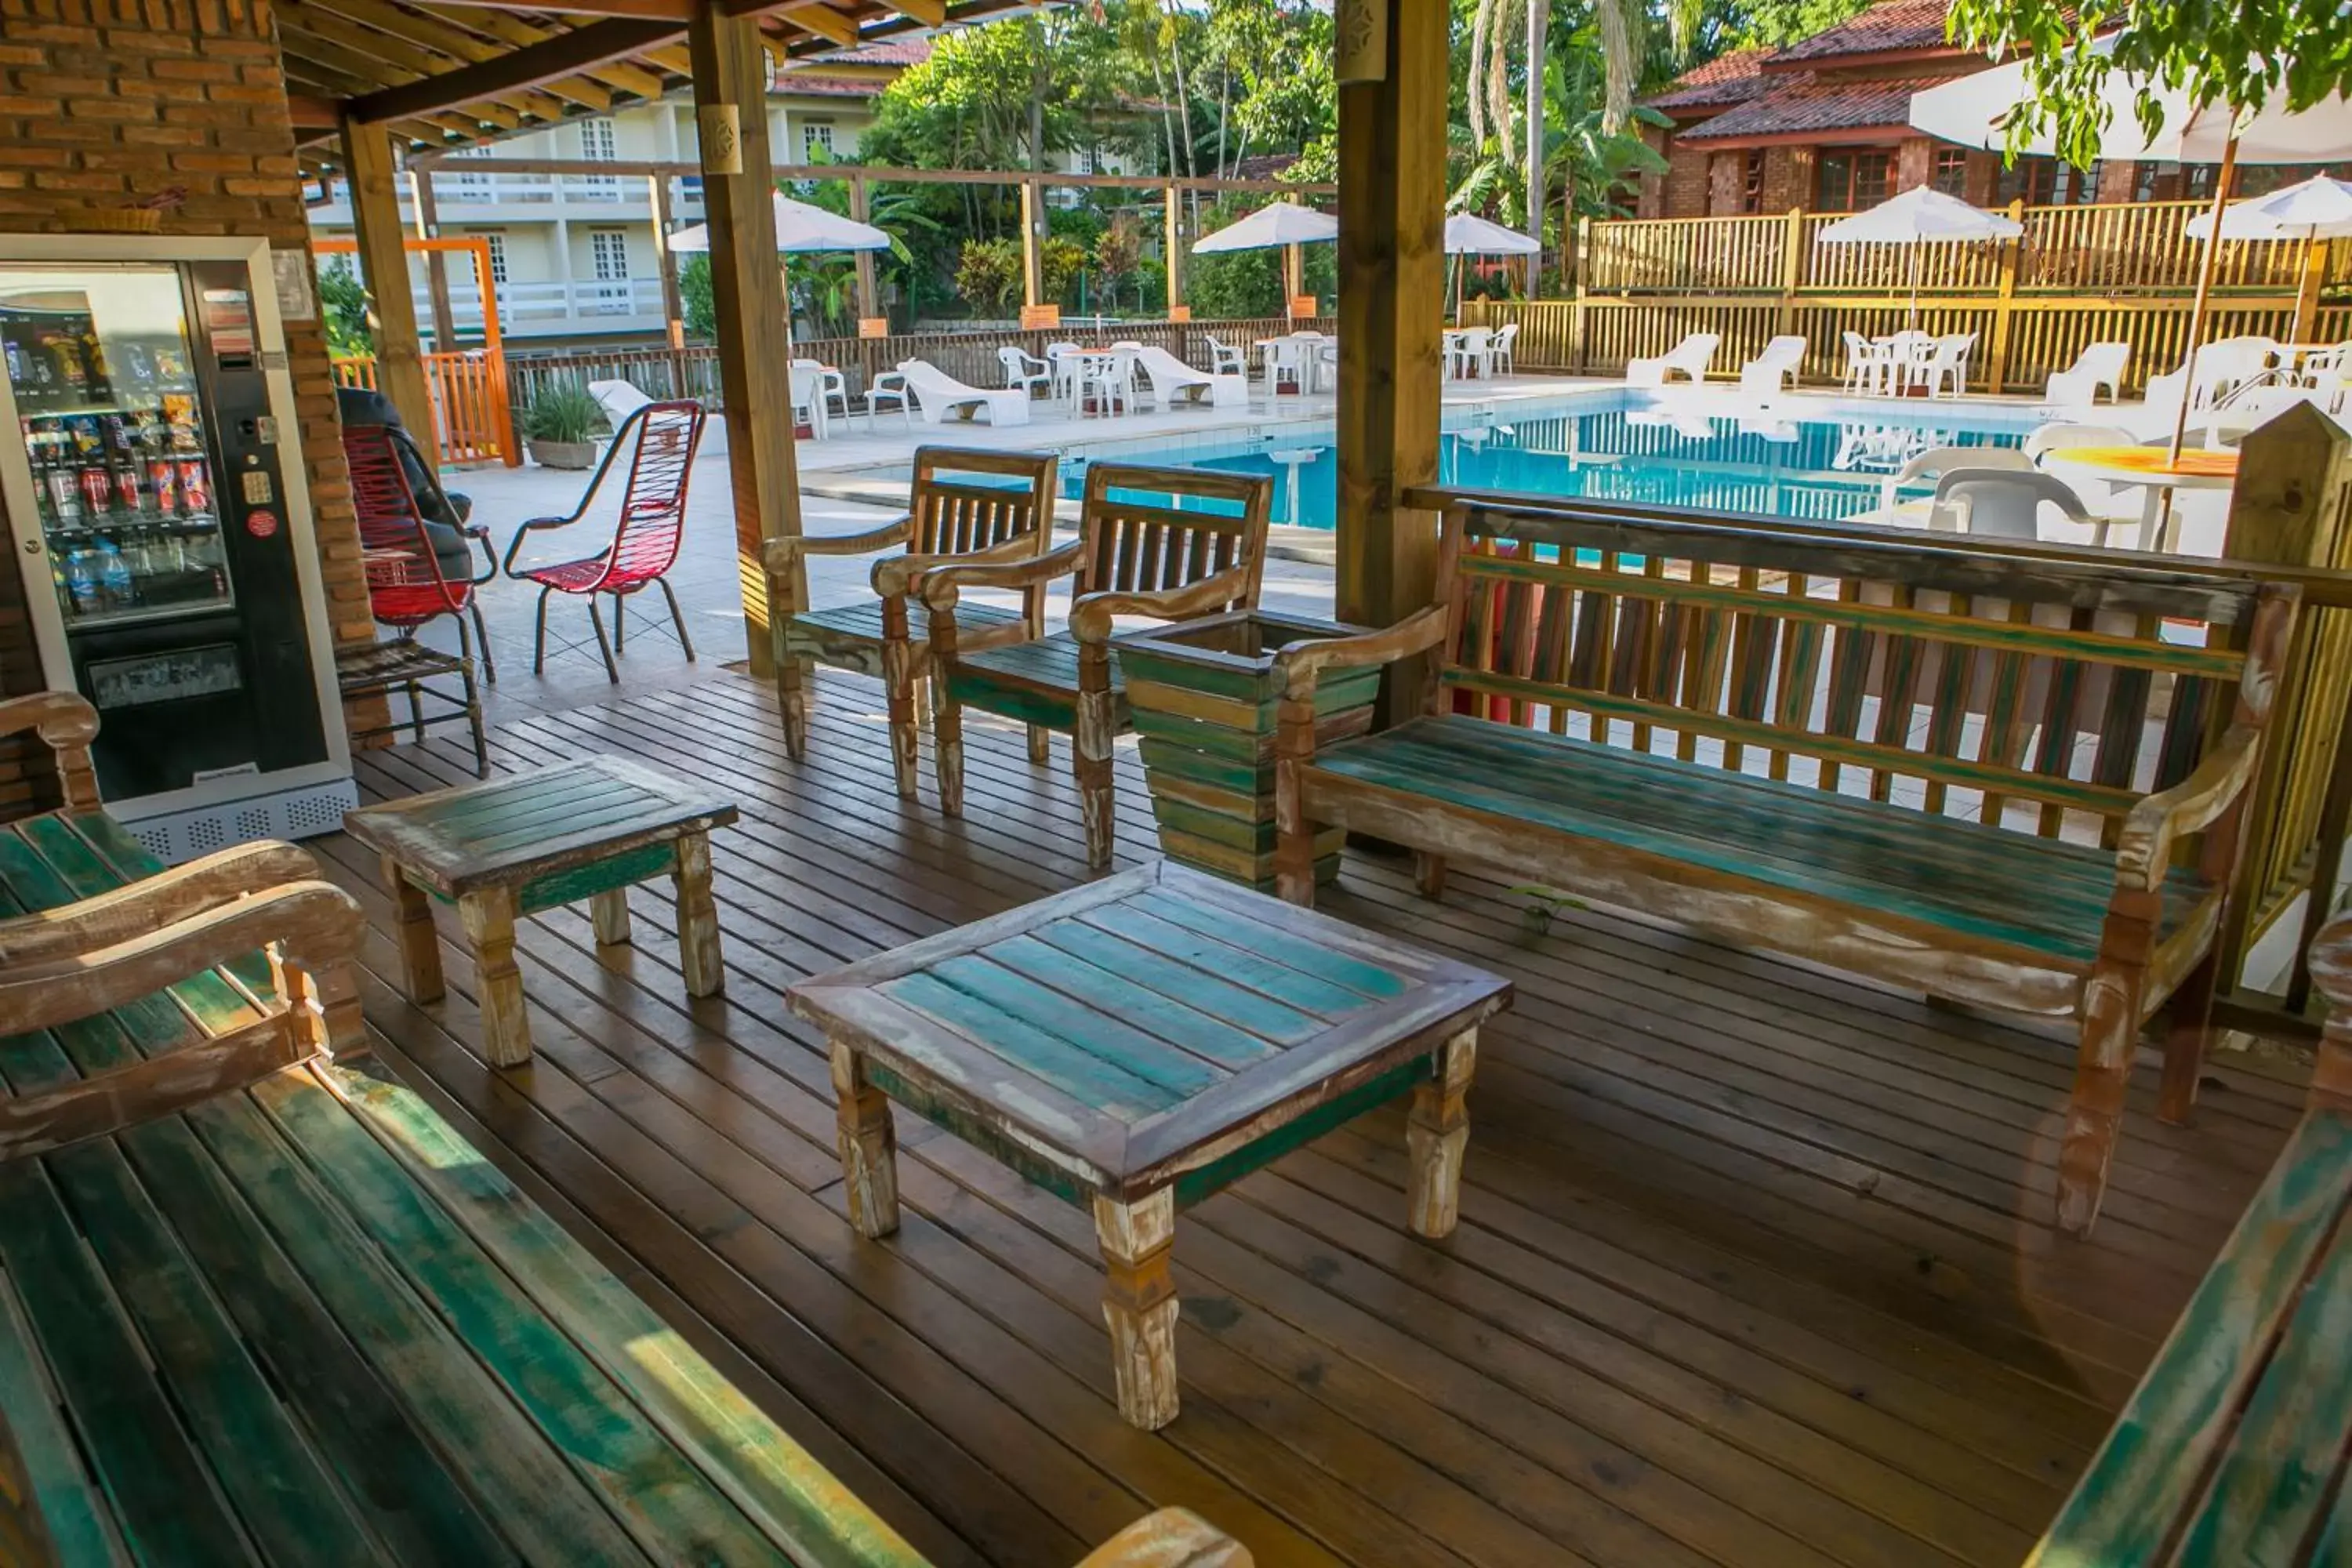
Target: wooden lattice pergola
[(384, 80)]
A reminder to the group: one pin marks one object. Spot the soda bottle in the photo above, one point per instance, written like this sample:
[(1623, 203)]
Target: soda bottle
[(115, 577), (82, 583)]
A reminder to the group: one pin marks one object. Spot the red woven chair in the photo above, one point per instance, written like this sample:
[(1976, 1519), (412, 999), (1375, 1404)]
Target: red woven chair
[(406, 584), (645, 543)]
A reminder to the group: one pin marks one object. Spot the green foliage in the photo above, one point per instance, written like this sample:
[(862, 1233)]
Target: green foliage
[(988, 275), (342, 306), (694, 294), (2233, 54), (1062, 261), (1771, 24), (562, 411)]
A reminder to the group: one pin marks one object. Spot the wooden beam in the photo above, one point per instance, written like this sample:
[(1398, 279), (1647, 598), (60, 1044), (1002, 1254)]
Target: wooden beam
[(1391, 285), (1174, 245), (566, 54), (1032, 251), (339, 56), (887, 174), (861, 207), (927, 12), (754, 336), (383, 268), (310, 112), (456, 43), (679, 11), (808, 15), (424, 63), (511, 30), (437, 263)]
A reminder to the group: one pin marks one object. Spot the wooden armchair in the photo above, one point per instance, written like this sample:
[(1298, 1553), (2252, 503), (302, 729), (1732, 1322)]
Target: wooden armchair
[(92, 925), (1167, 542), (960, 510)]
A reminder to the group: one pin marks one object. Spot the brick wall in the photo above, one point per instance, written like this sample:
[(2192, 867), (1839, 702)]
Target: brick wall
[(104, 102), (1788, 179), (1685, 184)]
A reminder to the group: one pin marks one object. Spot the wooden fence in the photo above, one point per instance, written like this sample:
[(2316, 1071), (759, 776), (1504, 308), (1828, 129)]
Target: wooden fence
[(969, 356), (2079, 275), (473, 411)]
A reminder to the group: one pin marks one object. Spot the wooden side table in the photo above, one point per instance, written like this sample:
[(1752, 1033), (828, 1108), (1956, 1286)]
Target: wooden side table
[(587, 829), (1134, 1045)]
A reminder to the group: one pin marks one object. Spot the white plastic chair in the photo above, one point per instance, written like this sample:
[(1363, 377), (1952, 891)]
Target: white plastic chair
[(1690, 357), (1467, 353), (888, 387), (832, 388), (2100, 364), (808, 396), (1288, 359), (1762, 377), (2000, 503), (1947, 359), (1503, 354), (1934, 463), (1907, 354), (1025, 371), (1225, 359), (2104, 502), (1869, 366), (1108, 379), (1064, 359)]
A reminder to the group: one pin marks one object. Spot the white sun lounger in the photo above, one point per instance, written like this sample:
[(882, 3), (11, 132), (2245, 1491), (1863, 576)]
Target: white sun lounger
[(1171, 376), (1691, 356), (937, 395), (1762, 377)]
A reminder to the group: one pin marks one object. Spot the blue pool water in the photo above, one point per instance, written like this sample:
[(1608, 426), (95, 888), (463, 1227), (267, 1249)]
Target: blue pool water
[(1818, 460)]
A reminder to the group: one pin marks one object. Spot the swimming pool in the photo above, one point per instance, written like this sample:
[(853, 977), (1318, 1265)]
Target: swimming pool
[(1819, 460)]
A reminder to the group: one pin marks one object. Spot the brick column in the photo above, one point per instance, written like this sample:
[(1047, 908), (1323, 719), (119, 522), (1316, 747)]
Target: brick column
[(105, 102)]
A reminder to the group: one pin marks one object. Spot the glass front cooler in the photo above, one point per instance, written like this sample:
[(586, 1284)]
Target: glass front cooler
[(114, 427)]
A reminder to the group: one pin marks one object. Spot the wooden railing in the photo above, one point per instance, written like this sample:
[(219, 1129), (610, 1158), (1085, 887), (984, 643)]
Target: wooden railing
[(2079, 275), (473, 409), (969, 356)]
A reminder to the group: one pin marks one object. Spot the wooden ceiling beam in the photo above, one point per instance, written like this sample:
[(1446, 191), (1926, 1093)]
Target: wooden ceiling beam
[(679, 11), (424, 63), (809, 15), (311, 112), (379, 76), (459, 45), (507, 28), (930, 13), (566, 54)]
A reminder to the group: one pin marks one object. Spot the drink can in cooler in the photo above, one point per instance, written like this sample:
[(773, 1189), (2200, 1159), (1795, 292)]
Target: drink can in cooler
[(97, 488), (65, 493), (164, 478), (192, 487), (126, 488)]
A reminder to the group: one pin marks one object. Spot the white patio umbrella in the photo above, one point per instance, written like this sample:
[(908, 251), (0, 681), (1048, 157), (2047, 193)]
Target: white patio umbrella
[(1285, 223), (1920, 215), (1975, 111), (2317, 208), (1468, 234), (800, 227)]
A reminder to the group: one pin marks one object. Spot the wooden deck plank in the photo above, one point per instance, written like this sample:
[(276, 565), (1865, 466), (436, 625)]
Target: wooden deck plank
[(1776, 1234)]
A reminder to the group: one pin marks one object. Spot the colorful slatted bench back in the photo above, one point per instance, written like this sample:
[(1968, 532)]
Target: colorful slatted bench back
[(962, 501), (2044, 696), (1151, 529)]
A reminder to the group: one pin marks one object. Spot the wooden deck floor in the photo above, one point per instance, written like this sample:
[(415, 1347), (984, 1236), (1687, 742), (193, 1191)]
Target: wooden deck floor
[(1753, 1268)]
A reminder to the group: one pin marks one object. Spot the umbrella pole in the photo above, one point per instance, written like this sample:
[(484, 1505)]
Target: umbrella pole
[(1915, 287), (2206, 268)]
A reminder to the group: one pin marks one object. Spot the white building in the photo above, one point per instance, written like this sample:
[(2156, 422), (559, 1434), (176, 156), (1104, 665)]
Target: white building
[(573, 256)]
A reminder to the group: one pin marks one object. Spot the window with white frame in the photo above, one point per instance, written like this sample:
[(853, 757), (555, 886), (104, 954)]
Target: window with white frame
[(609, 249), (816, 142), (597, 145), (1084, 161), (497, 246), (473, 183)]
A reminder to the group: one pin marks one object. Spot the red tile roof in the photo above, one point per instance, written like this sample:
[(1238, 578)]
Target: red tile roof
[(1803, 102), (1891, 24), (811, 77), (1727, 78)]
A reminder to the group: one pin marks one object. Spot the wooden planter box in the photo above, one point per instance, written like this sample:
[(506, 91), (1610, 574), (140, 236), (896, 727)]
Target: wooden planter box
[(1202, 695)]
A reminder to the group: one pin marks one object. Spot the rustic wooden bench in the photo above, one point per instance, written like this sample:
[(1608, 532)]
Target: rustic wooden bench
[(2231, 1449), (259, 1313), (1974, 776), (1164, 542), (965, 505)]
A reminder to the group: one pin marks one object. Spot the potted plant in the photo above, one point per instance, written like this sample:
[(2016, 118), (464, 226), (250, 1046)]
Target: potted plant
[(561, 425)]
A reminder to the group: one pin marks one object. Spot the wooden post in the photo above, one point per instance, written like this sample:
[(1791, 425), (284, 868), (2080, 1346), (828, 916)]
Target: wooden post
[(1437, 1129), (868, 296), (488, 917), (436, 264), (1578, 316), (1392, 300), (2004, 303), (868, 1145), (673, 302), (2307, 294), (754, 338), (1033, 250), (383, 268), (1792, 267), (1139, 1304), (1175, 244)]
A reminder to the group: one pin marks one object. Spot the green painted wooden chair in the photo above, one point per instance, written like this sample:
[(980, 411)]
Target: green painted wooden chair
[(1165, 542), (965, 505)]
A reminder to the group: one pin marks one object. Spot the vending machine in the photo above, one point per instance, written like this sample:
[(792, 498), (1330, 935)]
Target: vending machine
[(157, 503)]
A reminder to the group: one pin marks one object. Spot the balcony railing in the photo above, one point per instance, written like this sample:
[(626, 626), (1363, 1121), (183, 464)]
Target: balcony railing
[(550, 303)]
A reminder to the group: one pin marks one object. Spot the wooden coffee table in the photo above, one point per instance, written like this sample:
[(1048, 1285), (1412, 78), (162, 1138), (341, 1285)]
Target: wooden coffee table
[(586, 829), (1138, 1043)]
